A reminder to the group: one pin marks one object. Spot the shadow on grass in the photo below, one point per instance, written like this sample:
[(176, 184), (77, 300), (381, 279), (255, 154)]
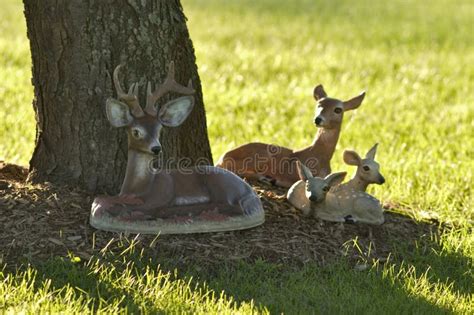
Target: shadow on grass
[(310, 288), (338, 288), (440, 261), (414, 278)]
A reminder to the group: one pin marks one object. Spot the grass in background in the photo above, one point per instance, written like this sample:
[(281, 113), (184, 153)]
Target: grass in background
[(259, 61), (17, 120)]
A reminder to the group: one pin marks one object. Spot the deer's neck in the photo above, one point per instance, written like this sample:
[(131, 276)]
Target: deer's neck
[(357, 184), (325, 143), (139, 174)]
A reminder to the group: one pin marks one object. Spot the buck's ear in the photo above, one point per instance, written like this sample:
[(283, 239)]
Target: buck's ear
[(371, 153), (303, 171), (319, 92), (118, 113), (335, 178), (351, 158), (175, 112), (355, 102)]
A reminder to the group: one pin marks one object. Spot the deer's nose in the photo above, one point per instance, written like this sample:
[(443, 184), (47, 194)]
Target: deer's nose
[(381, 180), (313, 198), (318, 120), (156, 150)]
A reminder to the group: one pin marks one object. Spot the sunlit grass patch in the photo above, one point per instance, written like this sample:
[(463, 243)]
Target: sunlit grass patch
[(258, 62), (66, 286), (17, 121), (259, 69)]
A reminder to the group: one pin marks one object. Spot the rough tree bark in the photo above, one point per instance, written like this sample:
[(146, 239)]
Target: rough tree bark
[(75, 45)]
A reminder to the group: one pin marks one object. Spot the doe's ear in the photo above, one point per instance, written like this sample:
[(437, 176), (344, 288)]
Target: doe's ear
[(335, 178), (355, 102), (303, 171), (319, 92), (118, 113), (351, 158), (371, 153), (175, 112)]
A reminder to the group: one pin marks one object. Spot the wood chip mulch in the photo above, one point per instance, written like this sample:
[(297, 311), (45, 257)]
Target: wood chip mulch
[(41, 221)]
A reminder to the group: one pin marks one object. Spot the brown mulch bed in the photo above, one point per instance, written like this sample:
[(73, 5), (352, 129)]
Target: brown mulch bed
[(41, 221)]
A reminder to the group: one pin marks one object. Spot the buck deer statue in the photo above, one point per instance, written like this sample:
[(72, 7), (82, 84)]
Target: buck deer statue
[(169, 201), (276, 164), (346, 202)]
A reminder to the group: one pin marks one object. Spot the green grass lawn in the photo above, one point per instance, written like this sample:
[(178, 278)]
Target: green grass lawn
[(259, 61)]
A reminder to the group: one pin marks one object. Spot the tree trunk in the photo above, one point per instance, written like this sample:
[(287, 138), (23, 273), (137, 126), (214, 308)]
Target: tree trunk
[(75, 46)]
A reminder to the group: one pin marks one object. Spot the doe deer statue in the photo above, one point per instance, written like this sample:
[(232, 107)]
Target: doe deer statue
[(277, 164), (197, 199)]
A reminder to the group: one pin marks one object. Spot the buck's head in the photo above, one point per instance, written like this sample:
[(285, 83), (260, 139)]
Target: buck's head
[(144, 125), (330, 111), (316, 188), (368, 169)]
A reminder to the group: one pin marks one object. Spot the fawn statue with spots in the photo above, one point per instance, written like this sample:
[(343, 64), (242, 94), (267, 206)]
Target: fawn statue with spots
[(346, 202), (310, 192)]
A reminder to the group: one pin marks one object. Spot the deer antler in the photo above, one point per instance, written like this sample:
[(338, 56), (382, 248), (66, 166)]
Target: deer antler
[(170, 85), (130, 98)]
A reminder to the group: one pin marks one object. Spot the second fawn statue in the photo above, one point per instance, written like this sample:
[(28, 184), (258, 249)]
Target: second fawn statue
[(351, 199), (277, 164), (162, 201)]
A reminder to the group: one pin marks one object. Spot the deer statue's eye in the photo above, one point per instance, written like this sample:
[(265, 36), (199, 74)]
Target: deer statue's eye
[(136, 133), (326, 188), (338, 110), (366, 168)]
